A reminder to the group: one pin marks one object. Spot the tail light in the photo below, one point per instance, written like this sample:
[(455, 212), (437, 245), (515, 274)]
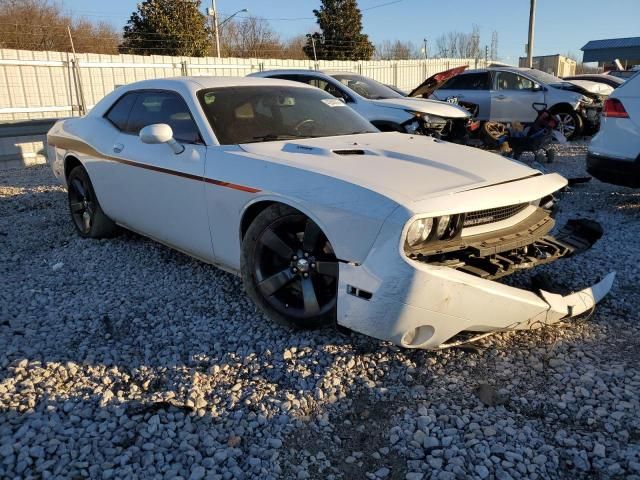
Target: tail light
[(614, 108)]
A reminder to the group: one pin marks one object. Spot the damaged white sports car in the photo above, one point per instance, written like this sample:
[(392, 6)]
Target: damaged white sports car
[(327, 220)]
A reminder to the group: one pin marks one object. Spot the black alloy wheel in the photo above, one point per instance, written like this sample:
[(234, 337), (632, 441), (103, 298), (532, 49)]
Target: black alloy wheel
[(86, 213), (289, 268)]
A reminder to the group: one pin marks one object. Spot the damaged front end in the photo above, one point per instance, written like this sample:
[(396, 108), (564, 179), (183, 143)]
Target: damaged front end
[(447, 289), (523, 246)]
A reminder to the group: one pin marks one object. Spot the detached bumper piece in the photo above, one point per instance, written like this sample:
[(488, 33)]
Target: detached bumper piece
[(490, 260)]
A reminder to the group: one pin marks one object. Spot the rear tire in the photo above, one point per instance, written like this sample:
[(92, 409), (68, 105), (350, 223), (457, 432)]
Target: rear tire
[(87, 215), (289, 268)]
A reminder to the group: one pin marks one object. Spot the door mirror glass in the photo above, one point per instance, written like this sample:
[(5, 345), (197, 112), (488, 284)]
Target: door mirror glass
[(160, 133), (536, 87)]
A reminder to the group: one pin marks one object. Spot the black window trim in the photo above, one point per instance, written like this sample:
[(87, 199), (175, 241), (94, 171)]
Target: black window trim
[(309, 75), (155, 90)]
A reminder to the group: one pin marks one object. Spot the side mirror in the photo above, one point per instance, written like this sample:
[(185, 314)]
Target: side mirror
[(160, 133), (537, 87)]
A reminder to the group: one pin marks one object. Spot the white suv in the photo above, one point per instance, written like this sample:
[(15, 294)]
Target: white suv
[(614, 153), (384, 107)]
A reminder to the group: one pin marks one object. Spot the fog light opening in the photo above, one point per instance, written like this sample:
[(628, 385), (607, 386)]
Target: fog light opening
[(417, 336)]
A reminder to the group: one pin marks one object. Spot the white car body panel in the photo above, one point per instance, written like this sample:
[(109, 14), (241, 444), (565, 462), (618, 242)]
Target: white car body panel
[(593, 87), (619, 138), (195, 201)]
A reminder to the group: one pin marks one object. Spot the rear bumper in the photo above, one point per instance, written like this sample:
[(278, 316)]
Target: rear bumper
[(613, 170)]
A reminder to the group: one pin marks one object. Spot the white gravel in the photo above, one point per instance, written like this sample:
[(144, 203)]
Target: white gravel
[(124, 359)]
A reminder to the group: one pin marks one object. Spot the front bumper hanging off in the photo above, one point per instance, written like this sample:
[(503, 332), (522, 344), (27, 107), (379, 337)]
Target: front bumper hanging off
[(417, 303)]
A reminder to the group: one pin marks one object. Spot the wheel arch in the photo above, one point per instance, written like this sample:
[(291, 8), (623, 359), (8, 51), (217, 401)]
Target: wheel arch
[(71, 161), (562, 107), (254, 208)]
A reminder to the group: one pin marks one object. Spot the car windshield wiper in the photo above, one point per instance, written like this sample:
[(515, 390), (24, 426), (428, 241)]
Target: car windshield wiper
[(272, 137)]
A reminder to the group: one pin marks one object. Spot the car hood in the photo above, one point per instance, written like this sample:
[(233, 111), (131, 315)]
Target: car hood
[(576, 89), (404, 168), (593, 87), (431, 84), (433, 107)]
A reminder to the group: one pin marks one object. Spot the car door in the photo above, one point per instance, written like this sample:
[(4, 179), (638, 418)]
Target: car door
[(471, 88), (160, 193), (513, 97)]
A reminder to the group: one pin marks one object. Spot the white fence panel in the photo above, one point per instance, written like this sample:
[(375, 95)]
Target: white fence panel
[(37, 85)]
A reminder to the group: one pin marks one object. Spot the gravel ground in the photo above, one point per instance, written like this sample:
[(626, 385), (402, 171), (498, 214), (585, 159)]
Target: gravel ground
[(124, 359)]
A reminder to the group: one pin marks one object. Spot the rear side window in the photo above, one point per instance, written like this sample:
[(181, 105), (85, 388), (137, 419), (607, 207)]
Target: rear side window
[(118, 114), (469, 81), (163, 107)]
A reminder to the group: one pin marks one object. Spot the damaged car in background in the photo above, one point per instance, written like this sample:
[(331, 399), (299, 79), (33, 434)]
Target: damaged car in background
[(505, 95), (387, 108), (328, 221)]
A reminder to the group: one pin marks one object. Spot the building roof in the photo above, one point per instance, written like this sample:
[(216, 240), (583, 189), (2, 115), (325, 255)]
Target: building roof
[(629, 42), (609, 49)]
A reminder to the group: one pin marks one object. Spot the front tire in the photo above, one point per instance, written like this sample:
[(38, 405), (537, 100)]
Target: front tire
[(87, 215), (569, 123), (289, 268)]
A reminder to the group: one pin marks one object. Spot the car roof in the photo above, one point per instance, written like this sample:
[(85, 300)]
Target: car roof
[(499, 69), (200, 82), (301, 71)]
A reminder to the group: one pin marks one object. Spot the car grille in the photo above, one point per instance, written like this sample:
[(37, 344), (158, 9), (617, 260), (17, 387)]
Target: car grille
[(492, 215)]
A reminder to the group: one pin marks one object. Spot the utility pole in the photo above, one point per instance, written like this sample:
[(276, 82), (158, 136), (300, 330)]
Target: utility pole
[(425, 48), (313, 44), (532, 21), (78, 77), (215, 25), (486, 55)]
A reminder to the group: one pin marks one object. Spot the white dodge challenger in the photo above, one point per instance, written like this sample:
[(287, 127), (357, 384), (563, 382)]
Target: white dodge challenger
[(326, 219)]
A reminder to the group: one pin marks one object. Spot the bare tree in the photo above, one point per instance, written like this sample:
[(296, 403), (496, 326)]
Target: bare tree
[(249, 37), (293, 48), (41, 25), (459, 45), (395, 50)]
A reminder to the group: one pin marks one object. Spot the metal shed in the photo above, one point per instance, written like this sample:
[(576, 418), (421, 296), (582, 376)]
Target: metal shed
[(627, 50)]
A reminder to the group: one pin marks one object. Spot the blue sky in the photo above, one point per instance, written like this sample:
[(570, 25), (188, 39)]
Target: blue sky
[(562, 25)]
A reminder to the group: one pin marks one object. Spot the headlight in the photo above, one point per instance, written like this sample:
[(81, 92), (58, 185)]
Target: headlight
[(443, 223), (436, 229), (426, 118), (419, 231)]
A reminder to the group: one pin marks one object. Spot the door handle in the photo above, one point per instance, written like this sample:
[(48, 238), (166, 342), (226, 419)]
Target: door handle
[(118, 147)]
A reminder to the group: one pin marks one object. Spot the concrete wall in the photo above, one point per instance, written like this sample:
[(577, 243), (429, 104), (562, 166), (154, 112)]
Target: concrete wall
[(43, 85)]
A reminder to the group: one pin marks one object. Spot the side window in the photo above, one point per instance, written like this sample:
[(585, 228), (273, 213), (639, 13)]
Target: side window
[(328, 87), (163, 107), (118, 114), (469, 81), (513, 81)]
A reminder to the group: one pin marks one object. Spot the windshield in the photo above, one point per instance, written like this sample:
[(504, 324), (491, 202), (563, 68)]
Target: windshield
[(269, 113), (543, 77), (366, 87)]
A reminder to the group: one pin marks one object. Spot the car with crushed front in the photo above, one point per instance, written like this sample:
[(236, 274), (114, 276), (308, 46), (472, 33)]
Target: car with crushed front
[(386, 108), (327, 220)]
